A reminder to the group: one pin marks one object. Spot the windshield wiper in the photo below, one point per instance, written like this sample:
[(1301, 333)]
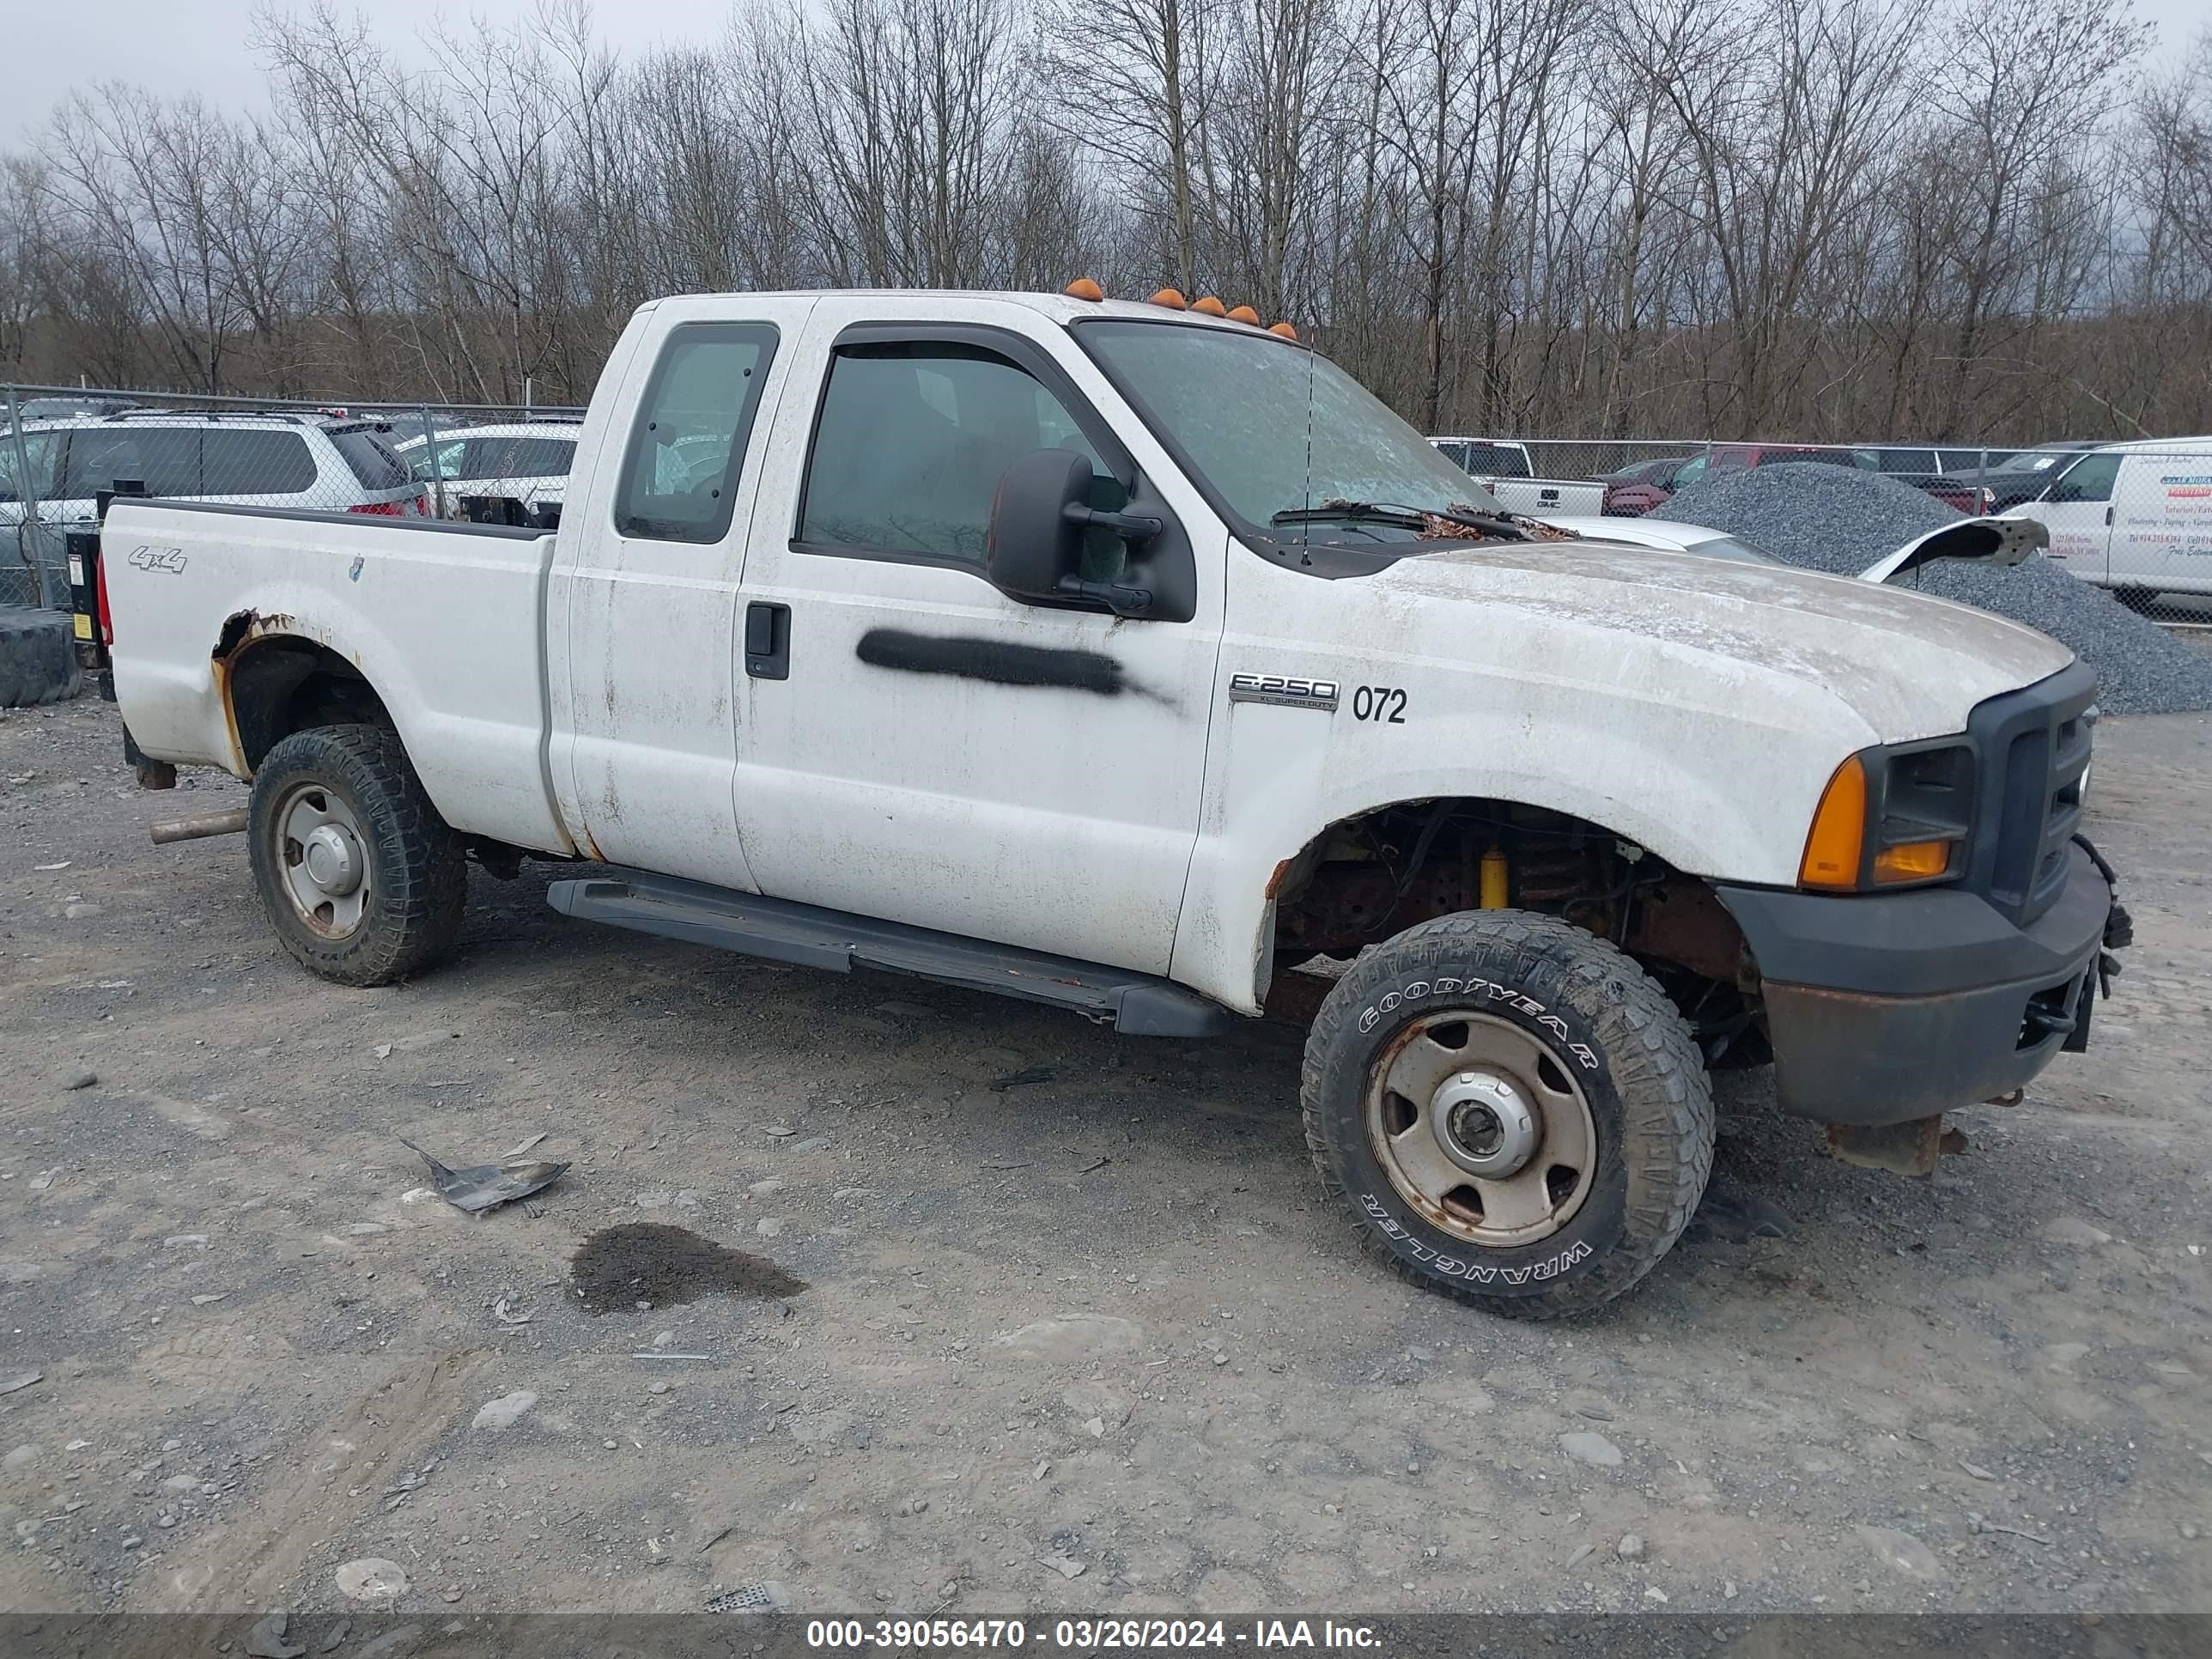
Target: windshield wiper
[(1409, 517)]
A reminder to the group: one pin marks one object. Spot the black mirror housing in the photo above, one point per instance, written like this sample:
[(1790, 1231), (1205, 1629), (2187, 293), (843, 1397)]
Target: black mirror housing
[(1034, 542)]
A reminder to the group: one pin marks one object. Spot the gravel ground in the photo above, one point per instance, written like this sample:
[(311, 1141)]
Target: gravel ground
[(1840, 521), (995, 1311)]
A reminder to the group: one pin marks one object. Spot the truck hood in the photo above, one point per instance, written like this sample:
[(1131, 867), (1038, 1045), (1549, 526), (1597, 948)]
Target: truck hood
[(1908, 665)]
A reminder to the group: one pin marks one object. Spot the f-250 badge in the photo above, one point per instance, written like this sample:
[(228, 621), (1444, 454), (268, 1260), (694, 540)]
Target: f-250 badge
[(171, 559), (1284, 692)]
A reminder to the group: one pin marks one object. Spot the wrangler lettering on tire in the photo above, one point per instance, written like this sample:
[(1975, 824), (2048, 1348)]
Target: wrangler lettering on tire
[(1515, 1114)]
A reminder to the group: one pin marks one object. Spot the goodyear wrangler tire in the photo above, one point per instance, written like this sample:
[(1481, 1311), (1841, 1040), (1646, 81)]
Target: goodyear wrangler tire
[(363, 880), (1517, 1115)]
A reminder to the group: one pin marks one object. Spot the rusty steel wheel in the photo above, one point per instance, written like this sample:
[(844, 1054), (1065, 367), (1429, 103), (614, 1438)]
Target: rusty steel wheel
[(1481, 1129), (1512, 1109), (363, 880)]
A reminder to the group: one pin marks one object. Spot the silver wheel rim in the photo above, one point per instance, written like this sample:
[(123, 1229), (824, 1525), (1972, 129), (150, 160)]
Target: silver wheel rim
[(322, 859), (1482, 1128)]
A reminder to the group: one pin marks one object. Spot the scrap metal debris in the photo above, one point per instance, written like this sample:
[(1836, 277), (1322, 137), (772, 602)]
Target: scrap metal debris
[(486, 1186)]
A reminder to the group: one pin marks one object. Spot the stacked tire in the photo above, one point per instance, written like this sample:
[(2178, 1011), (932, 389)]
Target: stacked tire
[(38, 657)]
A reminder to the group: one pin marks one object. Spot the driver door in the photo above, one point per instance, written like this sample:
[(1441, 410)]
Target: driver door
[(914, 744)]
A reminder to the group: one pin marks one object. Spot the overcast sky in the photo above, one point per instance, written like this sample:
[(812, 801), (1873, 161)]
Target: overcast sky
[(199, 45)]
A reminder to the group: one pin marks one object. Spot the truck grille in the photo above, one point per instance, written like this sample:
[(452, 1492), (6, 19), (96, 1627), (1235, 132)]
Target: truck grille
[(2032, 747)]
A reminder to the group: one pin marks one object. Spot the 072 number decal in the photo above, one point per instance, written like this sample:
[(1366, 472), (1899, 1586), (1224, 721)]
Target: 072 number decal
[(1383, 704)]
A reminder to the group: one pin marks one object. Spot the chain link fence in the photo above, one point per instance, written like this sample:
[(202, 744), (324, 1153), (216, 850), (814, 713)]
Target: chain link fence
[(63, 449)]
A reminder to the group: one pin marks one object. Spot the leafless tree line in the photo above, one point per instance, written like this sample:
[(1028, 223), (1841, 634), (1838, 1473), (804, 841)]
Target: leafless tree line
[(1972, 219)]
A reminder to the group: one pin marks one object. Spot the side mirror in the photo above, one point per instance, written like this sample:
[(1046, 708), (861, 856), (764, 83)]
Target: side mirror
[(1038, 520)]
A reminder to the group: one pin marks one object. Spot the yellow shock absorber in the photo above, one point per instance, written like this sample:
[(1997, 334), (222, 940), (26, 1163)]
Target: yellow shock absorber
[(1494, 895)]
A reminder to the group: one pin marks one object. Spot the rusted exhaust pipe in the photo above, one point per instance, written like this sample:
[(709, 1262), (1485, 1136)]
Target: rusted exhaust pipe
[(215, 823)]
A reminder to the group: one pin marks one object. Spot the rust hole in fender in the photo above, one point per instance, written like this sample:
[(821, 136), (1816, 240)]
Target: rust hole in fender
[(244, 625), (618, 1268)]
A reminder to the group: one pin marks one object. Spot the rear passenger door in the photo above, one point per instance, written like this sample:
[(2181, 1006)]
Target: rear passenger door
[(2077, 507), (641, 616)]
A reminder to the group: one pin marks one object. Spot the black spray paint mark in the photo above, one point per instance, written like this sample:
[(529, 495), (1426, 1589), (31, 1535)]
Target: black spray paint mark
[(994, 662)]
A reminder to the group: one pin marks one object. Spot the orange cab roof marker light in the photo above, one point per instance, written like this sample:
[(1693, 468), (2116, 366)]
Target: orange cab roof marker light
[(1209, 306), (1283, 329), (1083, 289), (1172, 299), (1244, 314)]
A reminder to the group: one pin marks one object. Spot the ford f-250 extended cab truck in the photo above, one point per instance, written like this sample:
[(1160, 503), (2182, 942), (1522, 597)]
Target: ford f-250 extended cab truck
[(1125, 660)]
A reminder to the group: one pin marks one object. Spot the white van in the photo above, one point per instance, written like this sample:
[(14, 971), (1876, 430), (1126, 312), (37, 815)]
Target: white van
[(2133, 517)]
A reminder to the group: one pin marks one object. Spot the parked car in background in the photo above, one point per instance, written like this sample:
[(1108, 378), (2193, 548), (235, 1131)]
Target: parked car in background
[(1958, 494), (1641, 486), (1504, 467), (286, 460), (1722, 459), (524, 461), (2022, 476), (2136, 518)]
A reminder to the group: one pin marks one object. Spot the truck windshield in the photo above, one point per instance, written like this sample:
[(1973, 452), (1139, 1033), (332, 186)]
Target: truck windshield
[(1268, 428)]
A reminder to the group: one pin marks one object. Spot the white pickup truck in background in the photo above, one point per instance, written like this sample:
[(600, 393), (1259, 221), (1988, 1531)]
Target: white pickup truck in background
[(1125, 660), (1504, 467)]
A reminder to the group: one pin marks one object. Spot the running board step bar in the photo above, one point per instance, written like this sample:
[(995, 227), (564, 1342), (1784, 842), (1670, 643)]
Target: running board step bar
[(781, 932)]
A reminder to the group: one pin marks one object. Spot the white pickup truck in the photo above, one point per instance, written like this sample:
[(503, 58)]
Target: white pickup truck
[(1125, 660), (1507, 472)]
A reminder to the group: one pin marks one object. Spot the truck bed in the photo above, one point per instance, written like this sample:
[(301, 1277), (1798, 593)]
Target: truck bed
[(193, 589)]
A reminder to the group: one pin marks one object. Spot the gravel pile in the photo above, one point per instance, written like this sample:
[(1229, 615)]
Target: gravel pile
[(1839, 519)]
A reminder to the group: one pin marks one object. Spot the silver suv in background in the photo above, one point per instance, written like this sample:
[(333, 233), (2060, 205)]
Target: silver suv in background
[(306, 461), (52, 471)]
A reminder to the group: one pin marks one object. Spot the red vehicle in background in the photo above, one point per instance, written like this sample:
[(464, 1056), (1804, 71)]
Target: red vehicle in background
[(1641, 487)]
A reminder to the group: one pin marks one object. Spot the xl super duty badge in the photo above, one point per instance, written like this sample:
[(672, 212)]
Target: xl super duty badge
[(1284, 691)]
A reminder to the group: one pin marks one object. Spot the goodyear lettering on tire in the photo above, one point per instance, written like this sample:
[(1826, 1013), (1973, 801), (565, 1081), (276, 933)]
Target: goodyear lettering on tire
[(1520, 1002)]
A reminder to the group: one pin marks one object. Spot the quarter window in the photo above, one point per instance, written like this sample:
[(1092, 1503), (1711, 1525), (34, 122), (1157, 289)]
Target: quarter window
[(680, 479), (912, 441), (260, 464)]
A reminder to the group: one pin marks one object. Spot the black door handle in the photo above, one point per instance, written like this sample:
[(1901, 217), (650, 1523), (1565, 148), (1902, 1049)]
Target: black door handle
[(767, 641)]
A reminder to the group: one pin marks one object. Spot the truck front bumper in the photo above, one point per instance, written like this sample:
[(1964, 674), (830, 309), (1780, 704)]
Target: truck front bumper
[(1883, 1008)]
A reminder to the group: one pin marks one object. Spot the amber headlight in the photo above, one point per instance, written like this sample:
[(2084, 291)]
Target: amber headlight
[(1894, 816)]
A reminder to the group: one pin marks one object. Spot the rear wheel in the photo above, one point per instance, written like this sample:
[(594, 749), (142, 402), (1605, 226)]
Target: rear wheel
[(363, 880), (1516, 1114)]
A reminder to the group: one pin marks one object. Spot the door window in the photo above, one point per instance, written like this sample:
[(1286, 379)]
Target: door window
[(166, 459), (541, 458), (912, 441), (38, 449), (2089, 479), (680, 479)]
